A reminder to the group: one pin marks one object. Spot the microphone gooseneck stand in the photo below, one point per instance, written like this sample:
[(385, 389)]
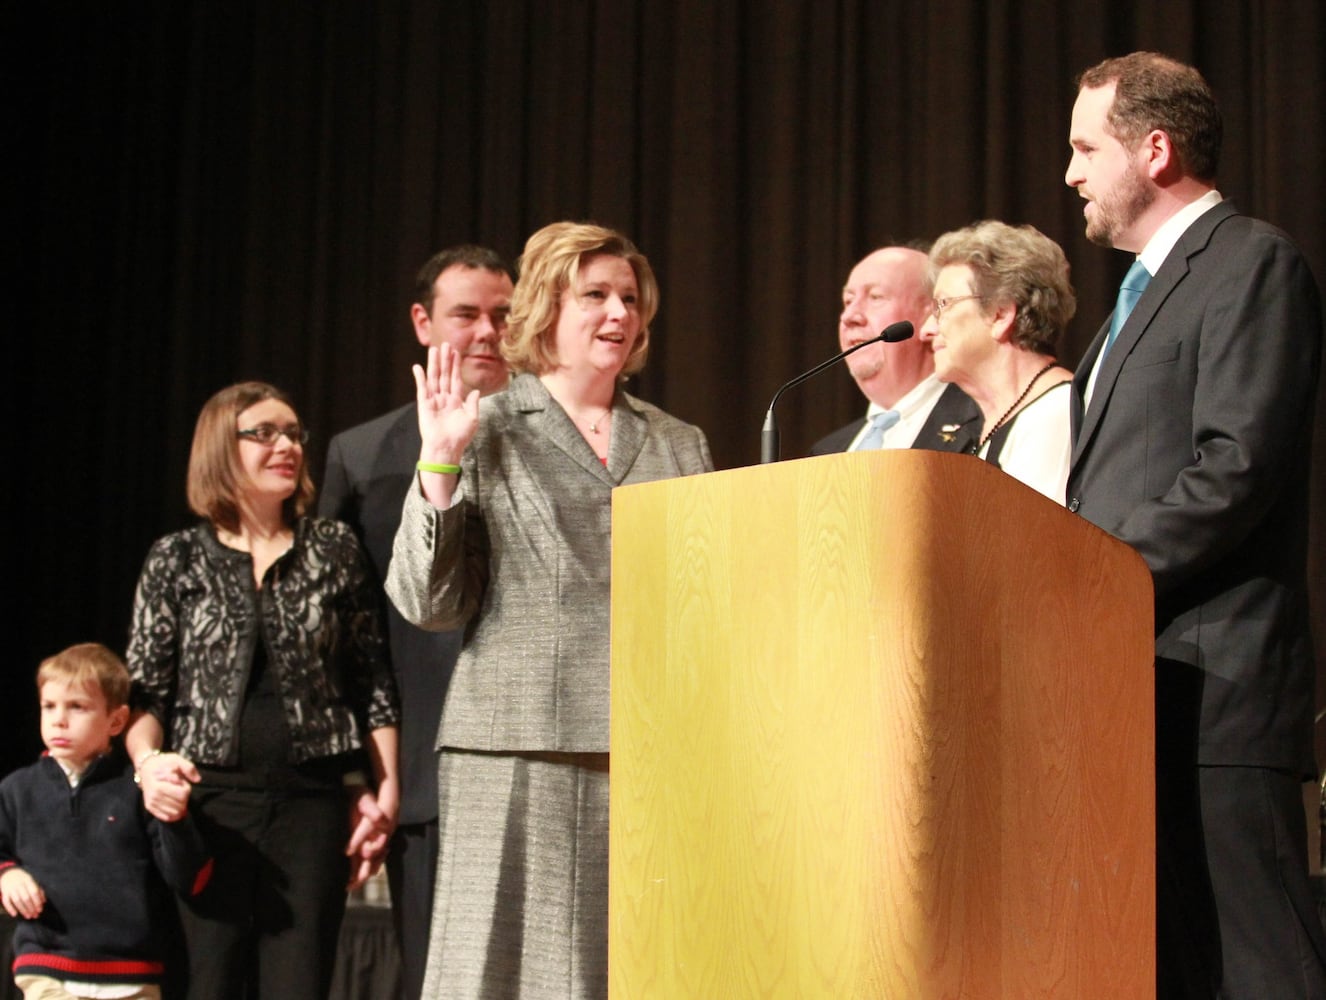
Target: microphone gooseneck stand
[(892, 334)]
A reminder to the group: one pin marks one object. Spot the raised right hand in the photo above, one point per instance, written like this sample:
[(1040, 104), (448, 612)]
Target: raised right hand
[(448, 415)]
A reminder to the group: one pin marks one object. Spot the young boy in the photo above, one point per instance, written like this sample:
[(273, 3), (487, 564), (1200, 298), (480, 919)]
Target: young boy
[(79, 855)]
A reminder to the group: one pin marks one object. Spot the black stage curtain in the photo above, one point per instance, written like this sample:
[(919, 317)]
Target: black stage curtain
[(209, 191)]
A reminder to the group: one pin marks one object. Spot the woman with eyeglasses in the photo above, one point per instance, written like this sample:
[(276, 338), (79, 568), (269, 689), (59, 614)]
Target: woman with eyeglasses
[(1002, 300), (507, 535), (264, 704)]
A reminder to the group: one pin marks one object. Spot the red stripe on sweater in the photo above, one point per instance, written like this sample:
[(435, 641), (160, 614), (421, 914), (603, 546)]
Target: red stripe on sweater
[(109, 967)]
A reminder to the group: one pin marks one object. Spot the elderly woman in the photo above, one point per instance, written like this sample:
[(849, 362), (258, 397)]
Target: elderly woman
[(1001, 301), (508, 536), (260, 673)]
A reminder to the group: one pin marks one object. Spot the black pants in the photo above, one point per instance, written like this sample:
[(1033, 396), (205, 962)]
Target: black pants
[(1236, 918), (412, 875), (267, 924)]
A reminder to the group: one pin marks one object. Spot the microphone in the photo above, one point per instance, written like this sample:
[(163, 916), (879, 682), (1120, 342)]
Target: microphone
[(893, 333)]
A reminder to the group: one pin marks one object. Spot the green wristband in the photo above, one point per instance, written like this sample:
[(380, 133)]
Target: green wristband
[(442, 468)]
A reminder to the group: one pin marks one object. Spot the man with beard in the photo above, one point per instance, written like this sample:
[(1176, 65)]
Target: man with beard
[(461, 297), (1192, 414), (909, 406)]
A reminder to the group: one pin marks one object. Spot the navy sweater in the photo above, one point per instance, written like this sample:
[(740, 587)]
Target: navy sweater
[(100, 859)]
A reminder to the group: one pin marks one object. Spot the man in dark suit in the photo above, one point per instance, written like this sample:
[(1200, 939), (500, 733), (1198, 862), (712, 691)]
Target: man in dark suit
[(909, 407), (1193, 425), (462, 296)]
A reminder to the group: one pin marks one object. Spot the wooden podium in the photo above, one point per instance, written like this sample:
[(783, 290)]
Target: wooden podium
[(882, 726)]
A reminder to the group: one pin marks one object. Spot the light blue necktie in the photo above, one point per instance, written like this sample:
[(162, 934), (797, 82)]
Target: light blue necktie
[(1134, 284), (879, 423)]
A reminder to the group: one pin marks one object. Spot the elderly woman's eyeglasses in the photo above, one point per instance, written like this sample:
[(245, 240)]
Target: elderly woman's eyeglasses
[(267, 434), (940, 306)]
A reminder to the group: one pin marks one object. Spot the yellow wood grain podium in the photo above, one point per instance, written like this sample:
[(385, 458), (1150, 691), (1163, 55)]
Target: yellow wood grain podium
[(882, 726)]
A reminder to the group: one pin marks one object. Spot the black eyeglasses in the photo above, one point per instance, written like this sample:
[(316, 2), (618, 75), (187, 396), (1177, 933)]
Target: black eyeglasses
[(267, 434)]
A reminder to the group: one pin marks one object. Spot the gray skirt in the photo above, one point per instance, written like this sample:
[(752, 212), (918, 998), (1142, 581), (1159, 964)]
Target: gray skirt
[(521, 907)]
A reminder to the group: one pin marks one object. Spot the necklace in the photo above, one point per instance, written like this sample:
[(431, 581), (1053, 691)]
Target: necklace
[(976, 449), (594, 424)]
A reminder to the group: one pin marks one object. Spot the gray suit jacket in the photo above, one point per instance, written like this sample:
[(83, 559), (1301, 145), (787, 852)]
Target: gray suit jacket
[(522, 561), (1195, 451)]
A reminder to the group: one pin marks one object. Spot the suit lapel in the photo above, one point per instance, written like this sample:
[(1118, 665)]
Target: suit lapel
[(839, 440), (1172, 272), (401, 448), (553, 423), (952, 424), (1079, 392), (387, 474), (629, 430)]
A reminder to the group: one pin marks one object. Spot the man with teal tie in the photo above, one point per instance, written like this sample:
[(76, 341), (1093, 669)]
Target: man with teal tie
[(1192, 416)]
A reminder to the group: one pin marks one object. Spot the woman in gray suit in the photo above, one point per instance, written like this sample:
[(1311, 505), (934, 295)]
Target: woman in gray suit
[(507, 536)]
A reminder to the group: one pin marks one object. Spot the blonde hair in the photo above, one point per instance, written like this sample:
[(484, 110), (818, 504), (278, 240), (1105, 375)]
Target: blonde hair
[(214, 469), (91, 665), (549, 266), (1017, 264)]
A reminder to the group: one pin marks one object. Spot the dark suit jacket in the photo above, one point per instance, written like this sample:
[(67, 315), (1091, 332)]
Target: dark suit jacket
[(953, 407), (369, 470), (1195, 451)]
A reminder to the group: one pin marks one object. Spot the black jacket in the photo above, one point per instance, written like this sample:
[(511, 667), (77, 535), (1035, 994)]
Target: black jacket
[(1195, 450), (197, 618)]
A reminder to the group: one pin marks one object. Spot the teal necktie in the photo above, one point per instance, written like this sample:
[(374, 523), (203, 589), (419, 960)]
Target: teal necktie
[(879, 423), (1134, 284)]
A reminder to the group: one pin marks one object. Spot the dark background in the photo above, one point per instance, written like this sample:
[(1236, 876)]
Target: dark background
[(205, 191)]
